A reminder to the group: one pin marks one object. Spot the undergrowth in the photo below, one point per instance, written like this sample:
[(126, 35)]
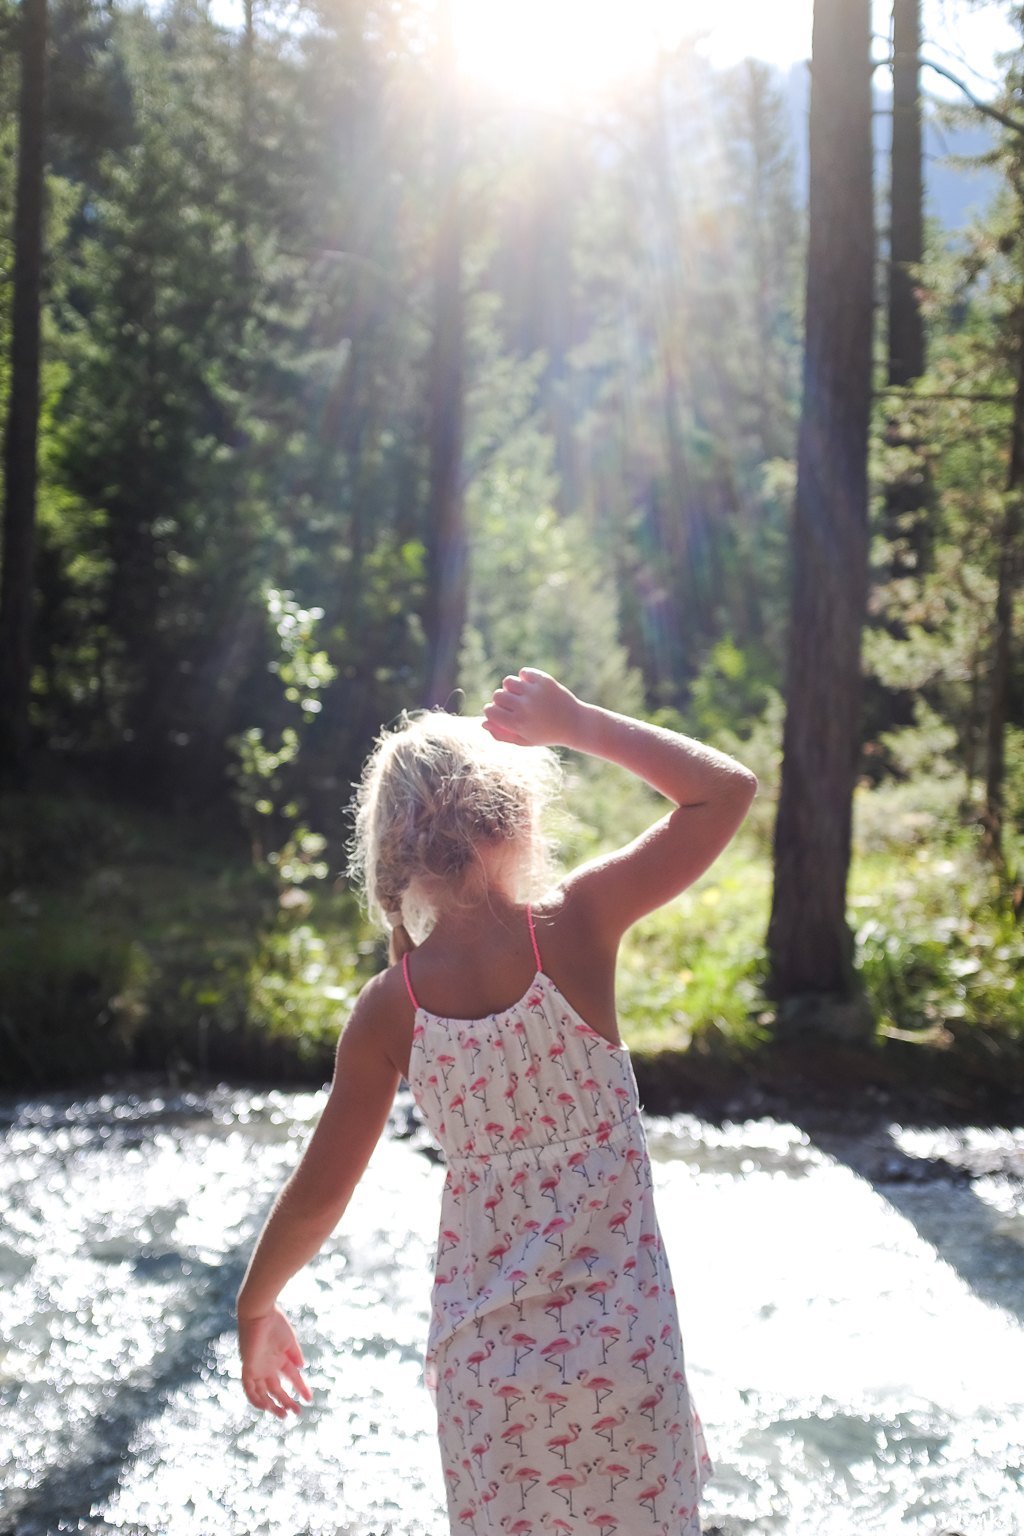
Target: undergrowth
[(129, 941)]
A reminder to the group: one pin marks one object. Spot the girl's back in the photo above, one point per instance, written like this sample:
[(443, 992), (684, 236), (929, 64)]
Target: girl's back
[(553, 1323)]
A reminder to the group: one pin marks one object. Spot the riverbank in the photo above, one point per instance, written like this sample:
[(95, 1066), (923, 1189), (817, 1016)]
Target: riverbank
[(134, 942)]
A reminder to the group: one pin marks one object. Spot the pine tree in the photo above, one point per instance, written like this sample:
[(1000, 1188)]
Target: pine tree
[(809, 944), (20, 464)]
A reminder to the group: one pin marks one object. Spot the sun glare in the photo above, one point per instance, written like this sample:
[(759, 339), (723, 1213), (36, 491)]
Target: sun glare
[(556, 53), (551, 52), (548, 51)]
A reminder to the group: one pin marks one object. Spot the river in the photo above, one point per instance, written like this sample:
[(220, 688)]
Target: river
[(852, 1306)]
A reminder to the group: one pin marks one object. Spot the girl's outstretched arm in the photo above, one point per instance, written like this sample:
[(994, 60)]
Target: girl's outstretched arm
[(312, 1203), (712, 794)]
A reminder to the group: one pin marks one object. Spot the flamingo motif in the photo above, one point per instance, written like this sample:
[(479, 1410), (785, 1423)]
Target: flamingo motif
[(479, 1451), (513, 1433), (651, 1495), (601, 1386), (549, 1254), (643, 1450), (523, 1344), (602, 1520), (559, 1348), (556, 1304), (548, 1185), (566, 1481), (609, 1335), (552, 1232), (568, 1106), (615, 1471), (563, 1440), (607, 1426), (523, 1476), (620, 1220), (649, 1405), (639, 1358), (556, 1525), (509, 1394), (555, 1403), (479, 1357), (519, 1181), (587, 1254), (598, 1290)]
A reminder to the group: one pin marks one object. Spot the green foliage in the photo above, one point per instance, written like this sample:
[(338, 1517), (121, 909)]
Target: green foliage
[(692, 974), (263, 776), (160, 948), (935, 945), (729, 692)]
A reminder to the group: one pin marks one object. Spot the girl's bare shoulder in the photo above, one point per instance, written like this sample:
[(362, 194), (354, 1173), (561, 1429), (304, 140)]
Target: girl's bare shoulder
[(382, 1018), (577, 957)]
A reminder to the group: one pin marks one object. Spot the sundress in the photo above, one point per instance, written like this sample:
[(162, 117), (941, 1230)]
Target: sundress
[(554, 1353)]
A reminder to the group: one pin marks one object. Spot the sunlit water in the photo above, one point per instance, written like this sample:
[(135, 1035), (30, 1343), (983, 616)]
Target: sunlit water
[(855, 1344)]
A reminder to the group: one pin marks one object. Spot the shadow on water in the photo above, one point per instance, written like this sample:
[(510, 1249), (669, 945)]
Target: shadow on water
[(966, 1231), (63, 1500)]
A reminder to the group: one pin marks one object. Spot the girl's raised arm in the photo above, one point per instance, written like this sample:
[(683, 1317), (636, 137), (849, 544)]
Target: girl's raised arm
[(312, 1203), (712, 794)]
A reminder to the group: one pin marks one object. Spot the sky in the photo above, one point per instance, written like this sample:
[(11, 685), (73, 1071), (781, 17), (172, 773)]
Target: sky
[(546, 51)]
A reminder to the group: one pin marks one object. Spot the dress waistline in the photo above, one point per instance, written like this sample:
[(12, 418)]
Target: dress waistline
[(627, 1129)]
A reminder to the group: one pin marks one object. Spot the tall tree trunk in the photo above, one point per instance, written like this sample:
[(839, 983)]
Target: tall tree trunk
[(445, 608), (809, 944), (906, 521), (1002, 640), (906, 327), (17, 585)]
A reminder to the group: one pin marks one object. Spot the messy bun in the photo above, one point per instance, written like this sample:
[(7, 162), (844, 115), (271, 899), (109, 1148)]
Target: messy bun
[(433, 790)]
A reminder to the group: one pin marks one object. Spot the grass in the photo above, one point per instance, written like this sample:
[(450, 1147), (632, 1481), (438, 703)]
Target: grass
[(128, 941), (145, 944)]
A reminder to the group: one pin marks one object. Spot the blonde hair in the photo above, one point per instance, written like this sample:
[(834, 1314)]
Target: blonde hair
[(432, 791)]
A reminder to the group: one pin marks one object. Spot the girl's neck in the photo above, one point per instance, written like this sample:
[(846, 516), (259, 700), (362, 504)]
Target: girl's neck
[(493, 908)]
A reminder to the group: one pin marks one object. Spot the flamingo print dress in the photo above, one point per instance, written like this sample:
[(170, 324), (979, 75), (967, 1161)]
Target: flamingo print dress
[(554, 1353)]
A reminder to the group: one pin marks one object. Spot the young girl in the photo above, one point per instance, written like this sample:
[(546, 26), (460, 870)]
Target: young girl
[(554, 1352)]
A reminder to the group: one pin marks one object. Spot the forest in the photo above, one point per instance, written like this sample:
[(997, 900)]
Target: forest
[(335, 385)]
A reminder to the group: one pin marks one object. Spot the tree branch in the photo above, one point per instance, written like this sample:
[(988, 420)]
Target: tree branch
[(985, 107)]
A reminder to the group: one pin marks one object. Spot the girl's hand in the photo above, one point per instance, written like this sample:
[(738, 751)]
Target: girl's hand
[(533, 710), (270, 1350)]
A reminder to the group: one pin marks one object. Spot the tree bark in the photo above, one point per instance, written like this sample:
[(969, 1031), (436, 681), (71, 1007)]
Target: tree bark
[(906, 520), (809, 944), (445, 606), (17, 584), (906, 328)]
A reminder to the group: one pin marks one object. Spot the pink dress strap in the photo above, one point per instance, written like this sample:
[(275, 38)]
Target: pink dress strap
[(533, 937), (408, 983)]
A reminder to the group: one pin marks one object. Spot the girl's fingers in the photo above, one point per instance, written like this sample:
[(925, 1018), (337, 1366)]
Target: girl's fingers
[(270, 1396), (277, 1399), (285, 1400), (262, 1400), (503, 733), (295, 1377)]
